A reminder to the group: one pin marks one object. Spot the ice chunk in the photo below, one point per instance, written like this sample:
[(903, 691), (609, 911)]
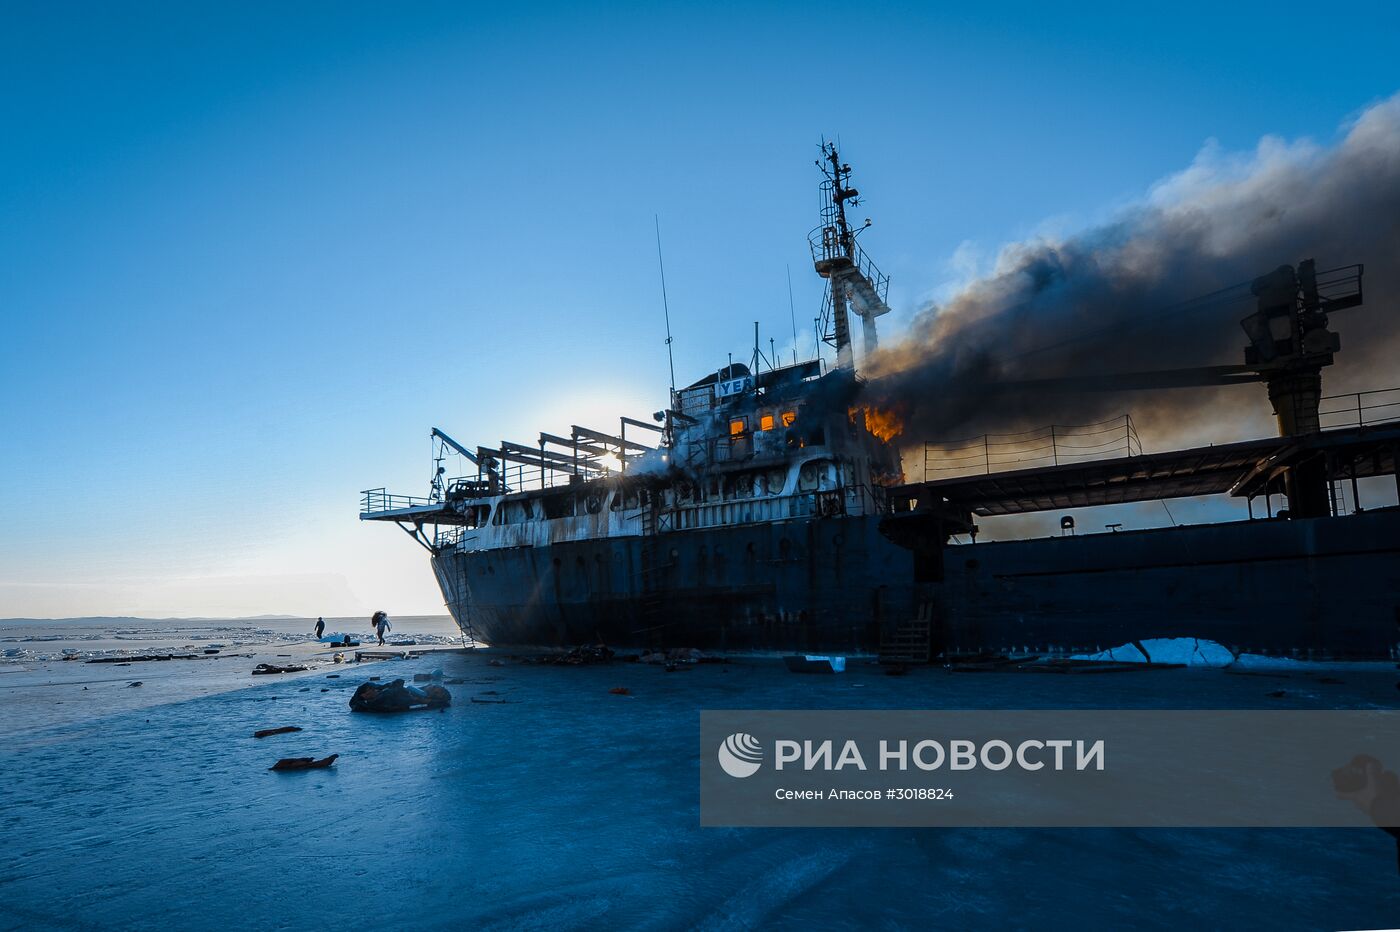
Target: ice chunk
[(1126, 653), (1193, 652)]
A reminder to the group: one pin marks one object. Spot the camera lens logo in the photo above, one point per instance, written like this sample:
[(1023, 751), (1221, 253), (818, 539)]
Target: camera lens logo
[(740, 755)]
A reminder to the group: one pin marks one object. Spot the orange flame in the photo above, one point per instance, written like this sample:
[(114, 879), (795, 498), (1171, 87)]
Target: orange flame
[(883, 423)]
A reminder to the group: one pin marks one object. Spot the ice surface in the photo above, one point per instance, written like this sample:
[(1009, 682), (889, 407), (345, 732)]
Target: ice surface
[(568, 807), (44, 679), (42, 640)]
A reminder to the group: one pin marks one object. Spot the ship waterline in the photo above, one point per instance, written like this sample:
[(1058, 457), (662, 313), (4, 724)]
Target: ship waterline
[(815, 584)]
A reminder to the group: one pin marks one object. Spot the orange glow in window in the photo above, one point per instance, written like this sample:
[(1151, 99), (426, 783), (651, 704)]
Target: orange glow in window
[(737, 427), (765, 422), (789, 417)]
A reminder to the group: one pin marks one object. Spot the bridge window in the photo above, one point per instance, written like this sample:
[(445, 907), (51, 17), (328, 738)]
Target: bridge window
[(738, 426), (513, 512), (765, 422), (741, 485), (813, 475), (558, 506), (789, 418)]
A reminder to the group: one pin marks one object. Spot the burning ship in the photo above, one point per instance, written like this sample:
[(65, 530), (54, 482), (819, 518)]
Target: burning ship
[(765, 509)]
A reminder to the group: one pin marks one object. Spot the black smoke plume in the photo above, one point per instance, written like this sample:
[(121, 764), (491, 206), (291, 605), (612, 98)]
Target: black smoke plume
[(1117, 299)]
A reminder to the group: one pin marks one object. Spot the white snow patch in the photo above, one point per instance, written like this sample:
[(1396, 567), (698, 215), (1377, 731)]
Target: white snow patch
[(1194, 652)]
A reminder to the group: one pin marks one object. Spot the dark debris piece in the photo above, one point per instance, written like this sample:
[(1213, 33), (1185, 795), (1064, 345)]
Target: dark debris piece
[(123, 661), (398, 697), (285, 729), (303, 763), (263, 669)]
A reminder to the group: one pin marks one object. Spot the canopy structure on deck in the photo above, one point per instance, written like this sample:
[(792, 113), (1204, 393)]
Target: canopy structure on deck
[(1248, 469)]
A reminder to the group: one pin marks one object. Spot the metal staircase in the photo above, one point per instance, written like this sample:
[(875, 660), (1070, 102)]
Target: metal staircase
[(911, 641), (867, 287), (861, 291)]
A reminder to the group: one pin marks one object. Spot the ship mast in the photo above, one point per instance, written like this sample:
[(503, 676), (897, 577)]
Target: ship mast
[(855, 283)]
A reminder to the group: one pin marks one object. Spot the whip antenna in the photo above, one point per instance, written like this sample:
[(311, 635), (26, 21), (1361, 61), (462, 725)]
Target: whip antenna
[(792, 311), (665, 305)]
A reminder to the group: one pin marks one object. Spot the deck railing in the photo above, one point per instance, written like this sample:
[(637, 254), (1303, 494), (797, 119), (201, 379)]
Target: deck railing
[(853, 501), (377, 501), (827, 245), (1360, 409), (450, 535), (1051, 445)]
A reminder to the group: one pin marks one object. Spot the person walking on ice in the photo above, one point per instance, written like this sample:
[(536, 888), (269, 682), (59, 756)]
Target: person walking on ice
[(320, 627), (381, 625)]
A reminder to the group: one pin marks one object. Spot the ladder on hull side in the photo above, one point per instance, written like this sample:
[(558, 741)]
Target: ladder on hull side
[(458, 604), (651, 598), (911, 641)]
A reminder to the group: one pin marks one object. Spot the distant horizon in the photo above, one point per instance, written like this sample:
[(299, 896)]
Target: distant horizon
[(265, 617)]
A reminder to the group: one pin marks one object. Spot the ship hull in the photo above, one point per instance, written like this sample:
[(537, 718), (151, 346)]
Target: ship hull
[(824, 584), (1325, 587), (1322, 587)]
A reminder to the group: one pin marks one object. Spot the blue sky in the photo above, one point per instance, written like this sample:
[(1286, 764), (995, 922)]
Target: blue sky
[(251, 253)]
